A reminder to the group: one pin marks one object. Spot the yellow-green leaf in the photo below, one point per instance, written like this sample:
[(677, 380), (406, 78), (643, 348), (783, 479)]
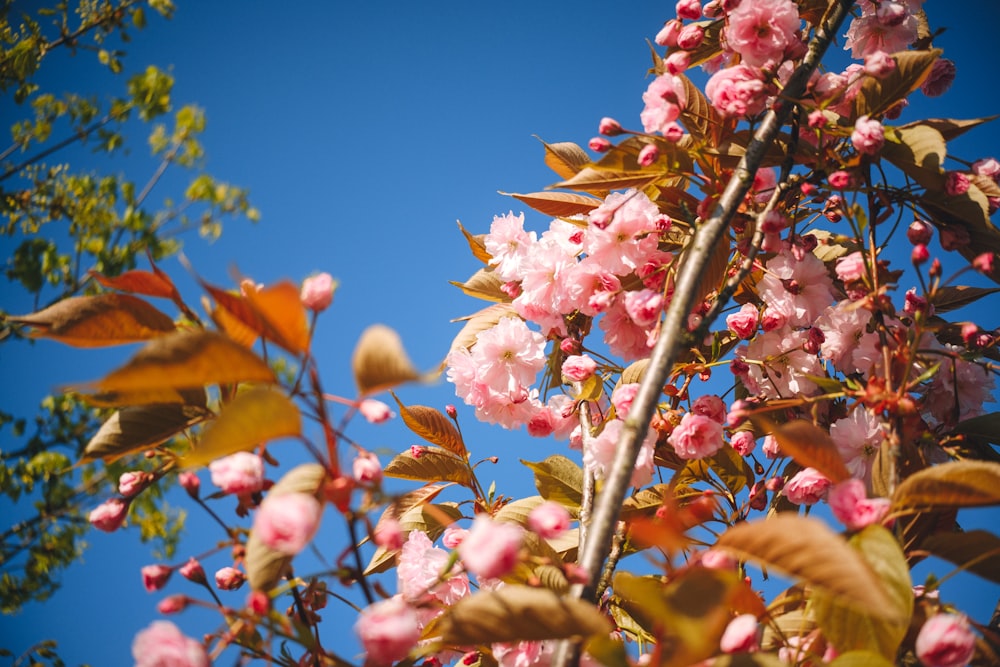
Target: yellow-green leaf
[(954, 484), (809, 550), (432, 425), (861, 659), (519, 613), (918, 151), (137, 428), (98, 321), (559, 479), (809, 445), (431, 464), (251, 419), (380, 362)]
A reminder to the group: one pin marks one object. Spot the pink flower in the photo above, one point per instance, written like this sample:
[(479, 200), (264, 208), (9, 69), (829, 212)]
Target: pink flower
[(983, 262), (740, 635), (737, 91), (366, 468), (771, 448), (163, 645), (664, 100), (839, 180), (131, 483), (853, 508), (940, 79), (109, 515), (696, 437), (644, 307), (509, 355), (388, 534), (868, 34), (851, 267), (648, 155), (508, 245), (578, 367), (193, 571), (190, 482), (743, 322), (491, 548), (716, 559), (868, 136), (956, 183), (710, 406), (287, 523), (154, 577), (599, 454), (800, 289), (807, 487), (599, 145), (317, 292), (453, 536), (622, 398), (743, 442), (549, 520), (375, 412), (388, 631), (879, 64), (422, 572), (241, 472), (229, 579), (988, 167), (688, 9), (690, 36), (945, 640), (762, 31)]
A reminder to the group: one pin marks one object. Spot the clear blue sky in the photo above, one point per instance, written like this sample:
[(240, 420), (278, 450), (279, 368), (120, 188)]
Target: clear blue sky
[(363, 132)]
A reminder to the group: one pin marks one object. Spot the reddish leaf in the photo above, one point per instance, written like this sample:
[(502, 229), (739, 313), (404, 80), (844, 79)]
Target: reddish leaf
[(431, 425), (139, 282)]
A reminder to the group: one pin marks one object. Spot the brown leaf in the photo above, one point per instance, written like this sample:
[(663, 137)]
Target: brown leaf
[(485, 319), (590, 179), (918, 151), (558, 478), (977, 551), (484, 284), (557, 204), (879, 94), (138, 428), (137, 281), (253, 418), (265, 566), (808, 444), (280, 308), (423, 517), (98, 321), (807, 549), (950, 127), (952, 297), (565, 158), (476, 245), (519, 613), (380, 362), (432, 425), (699, 116), (954, 484), (433, 464)]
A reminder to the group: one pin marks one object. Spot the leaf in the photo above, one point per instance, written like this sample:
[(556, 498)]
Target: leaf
[(380, 362), (951, 298), (986, 427), (635, 372), (727, 465), (138, 428), (954, 484), (850, 628), (98, 321), (559, 479), (185, 360), (971, 212), (264, 565), (284, 317), (950, 128), (698, 116), (517, 511), (565, 158), (484, 284), (861, 659), (432, 425), (485, 319), (808, 444), (976, 551), (422, 517), (251, 419), (557, 204), (476, 245), (807, 549), (878, 95), (919, 152), (590, 179), (432, 465), (137, 281), (519, 613)]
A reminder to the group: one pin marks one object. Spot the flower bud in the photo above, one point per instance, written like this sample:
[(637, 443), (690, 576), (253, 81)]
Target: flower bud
[(375, 412), (688, 9), (317, 292), (367, 469), (388, 534), (609, 127), (229, 579), (920, 254), (919, 232), (109, 515), (189, 480), (648, 155), (677, 62), (599, 145), (259, 603), (945, 640), (690, 36), (154, 577), (451, 411), (193, 571), (549, 520), (983, 263), (668, 34), (131, 483), (172, 604)]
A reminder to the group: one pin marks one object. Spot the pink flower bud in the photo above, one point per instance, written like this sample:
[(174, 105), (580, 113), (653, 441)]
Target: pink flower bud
[(956, 183), (672, 132), (131, 483), (919, 232), (259, 603), (710, 406), (190, 482), (288, 522), (716, 559), (109, 515), (868, 136), (388, 631), (690, 36), (688, 9), (983, 263), (229, 579), (774, 484), (740, 635), (172, 604), (668, 34), (549, 520), (570, 346), (193, 571), (451, 411), (388, 534), (609, 127), (577, 368), (839, 180), (453, 536), (491, 549), (317, 292), (743, 442), (237, 473), (816, 120), (850, 504), (375, 412), (988, 167), (599, 145), (162, 643), (920, 254), (648, 155), (743, 323), (367, 469), (945, 640), (154, 577), (758, 497), (677, 62)]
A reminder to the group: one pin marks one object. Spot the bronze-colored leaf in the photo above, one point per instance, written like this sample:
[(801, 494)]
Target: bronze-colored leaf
[(986, 427), (635, 371), (950, 127), (98, 321), (432, 425), (861, 659), (976, 551), (590, 179), (380, 362), (969, 211), (519, 613), (808, 444), (565, 158), (476, 245), (517, 511), (952, 297), (432, 464), (251, 419), (485, 319), (185, 360), (699, 116), (557, 204), (484, 284), (879, 94), (138, 428), (280, 308), (265, 566), (918, 151), (809, 550), (558, 478), (954, 484), (423, 517), (137, 281)]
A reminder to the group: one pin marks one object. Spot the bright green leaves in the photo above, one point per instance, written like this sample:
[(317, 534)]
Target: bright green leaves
[(150, 92)]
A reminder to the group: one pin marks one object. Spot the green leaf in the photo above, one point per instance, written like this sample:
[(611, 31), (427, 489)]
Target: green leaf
[(432, 464), (432, 425), (954, 484), (558, 478), (519, 613)]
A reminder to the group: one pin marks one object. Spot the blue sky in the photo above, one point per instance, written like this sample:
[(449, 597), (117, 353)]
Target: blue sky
[(363, 132)]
